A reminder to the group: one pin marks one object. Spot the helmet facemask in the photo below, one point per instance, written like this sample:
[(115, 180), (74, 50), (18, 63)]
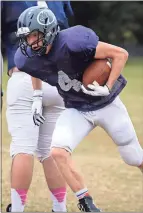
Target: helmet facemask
[(24, 46)]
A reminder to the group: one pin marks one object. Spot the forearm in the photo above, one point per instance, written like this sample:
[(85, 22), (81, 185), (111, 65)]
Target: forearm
[(36, 83), (119, 57), (118, 64)]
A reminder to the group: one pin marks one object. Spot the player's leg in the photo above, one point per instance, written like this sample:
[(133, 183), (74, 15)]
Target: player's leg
[(70, 129), (55, 181), (53, 106), (117, 123), (67, 135), (24, 137)]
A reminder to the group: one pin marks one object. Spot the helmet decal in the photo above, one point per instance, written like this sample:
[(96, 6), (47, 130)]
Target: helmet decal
[(44, 16)]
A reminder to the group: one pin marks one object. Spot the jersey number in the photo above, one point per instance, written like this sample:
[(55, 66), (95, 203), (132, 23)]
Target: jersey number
[(66, 83)]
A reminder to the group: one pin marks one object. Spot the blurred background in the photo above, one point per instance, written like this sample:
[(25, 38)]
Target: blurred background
[(116, 22), (115, 186)]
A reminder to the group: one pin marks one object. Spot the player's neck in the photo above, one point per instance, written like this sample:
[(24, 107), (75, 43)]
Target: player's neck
[(48, 48)]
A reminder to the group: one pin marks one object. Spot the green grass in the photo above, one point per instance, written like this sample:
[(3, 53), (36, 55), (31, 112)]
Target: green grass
[(115, 186)]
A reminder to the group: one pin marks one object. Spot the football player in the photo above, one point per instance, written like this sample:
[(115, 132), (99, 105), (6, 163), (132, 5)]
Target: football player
[(28, 139), (60, 58)]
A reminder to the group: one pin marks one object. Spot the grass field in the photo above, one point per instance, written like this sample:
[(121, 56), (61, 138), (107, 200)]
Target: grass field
[(115, 186)]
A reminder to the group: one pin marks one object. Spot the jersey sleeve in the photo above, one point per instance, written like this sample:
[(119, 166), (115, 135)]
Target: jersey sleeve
[(83, 43)]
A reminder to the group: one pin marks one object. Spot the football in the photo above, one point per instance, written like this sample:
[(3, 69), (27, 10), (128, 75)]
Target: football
[(99, 71)]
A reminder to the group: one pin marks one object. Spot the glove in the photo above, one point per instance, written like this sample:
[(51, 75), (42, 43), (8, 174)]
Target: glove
[(96, 90), (37, 108)]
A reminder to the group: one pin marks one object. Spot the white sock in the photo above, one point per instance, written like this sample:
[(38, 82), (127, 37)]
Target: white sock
[(58, 206), (16, 202), (81, 193)]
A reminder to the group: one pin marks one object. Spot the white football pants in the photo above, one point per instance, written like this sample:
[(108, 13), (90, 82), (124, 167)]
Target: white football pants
[(26, 137), (72, 126)]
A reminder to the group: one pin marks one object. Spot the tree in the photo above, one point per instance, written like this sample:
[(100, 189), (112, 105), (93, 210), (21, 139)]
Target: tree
[(115, 22)]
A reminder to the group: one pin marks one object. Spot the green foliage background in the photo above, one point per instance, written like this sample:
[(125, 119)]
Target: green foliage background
[(117, 22)]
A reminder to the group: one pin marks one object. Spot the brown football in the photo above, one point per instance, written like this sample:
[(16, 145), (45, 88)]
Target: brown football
[(99, 71)]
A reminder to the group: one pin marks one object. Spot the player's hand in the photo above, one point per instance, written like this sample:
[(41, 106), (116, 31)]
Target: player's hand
[(37, 108), (95, 89)]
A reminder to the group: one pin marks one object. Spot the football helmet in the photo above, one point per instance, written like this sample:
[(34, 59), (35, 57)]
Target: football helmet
[(40, 19)]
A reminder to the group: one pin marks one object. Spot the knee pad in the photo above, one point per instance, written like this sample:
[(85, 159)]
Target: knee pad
[(132, 152)]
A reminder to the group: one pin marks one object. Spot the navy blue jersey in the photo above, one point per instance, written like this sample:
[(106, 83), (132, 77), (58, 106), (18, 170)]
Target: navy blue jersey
[(72, 52)]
